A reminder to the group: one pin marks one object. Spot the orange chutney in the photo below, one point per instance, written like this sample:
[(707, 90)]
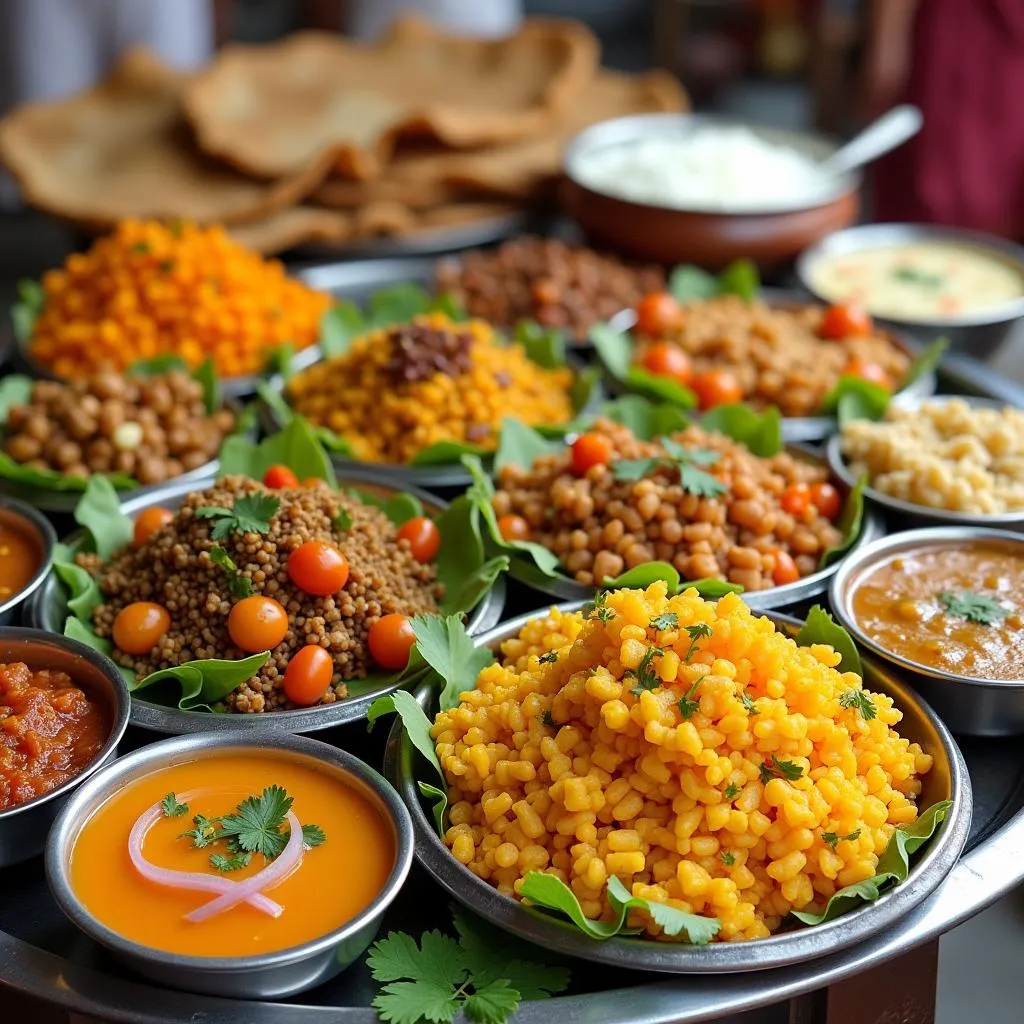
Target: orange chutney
[(904, 605), (332, 884), (20, 555)]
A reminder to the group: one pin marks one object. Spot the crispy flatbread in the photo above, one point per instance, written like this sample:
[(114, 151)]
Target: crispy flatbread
[(122, 149), (288, 229), (520, 170), (274, 110), (387, 218)]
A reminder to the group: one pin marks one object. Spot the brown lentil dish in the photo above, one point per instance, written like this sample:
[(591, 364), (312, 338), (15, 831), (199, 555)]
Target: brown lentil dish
[(600, 527), (776, 355), (151, 428), (544, 279), (174, 569), (401, 389)]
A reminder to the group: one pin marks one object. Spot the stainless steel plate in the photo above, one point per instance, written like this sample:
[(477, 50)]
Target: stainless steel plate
[(48, 610), (948, 779)]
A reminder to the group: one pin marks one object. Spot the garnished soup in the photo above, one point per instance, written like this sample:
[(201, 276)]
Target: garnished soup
[(232, 855), (956, 607), (919, 280)]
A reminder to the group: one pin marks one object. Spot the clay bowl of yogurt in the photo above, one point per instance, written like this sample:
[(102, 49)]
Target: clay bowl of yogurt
[(678, 188)]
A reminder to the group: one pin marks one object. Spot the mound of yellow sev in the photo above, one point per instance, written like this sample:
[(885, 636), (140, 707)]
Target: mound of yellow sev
[(764, 789)]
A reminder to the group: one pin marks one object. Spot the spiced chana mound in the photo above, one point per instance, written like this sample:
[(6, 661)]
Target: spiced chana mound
[(699, 500), (240, 569)]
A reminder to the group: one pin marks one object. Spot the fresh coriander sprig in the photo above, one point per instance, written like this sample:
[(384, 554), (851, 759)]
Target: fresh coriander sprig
[(688, 704), (685, 461), (342, 522), (728, 859), (697, 632), (251, 514), (777, 768), (833, 838), (646, 677), (854, 698), (731, 792), (547, 719), (239, 584), (548, 658), (749, 704), (171, 808), (666, 620), (979, 608)]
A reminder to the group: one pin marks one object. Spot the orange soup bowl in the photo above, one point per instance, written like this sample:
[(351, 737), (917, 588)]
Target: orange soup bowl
[(219, 865)]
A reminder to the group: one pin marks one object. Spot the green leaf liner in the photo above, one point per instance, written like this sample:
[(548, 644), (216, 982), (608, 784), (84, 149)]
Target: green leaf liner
[(26, 309), (851, 521), (199, 685), (820, 628), (644, 418), (99, 513), (926, 361), (759, 432), (544, 346), (615, 351), (853, 398), (688, 283), (296, 446), (642, 576), (520, 445)]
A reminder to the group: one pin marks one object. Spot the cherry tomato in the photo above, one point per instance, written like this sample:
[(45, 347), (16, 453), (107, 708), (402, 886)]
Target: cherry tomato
[(140, 626), (149, 521), (845, 320), (657, 313), (825, 498), (796, 499), (317, 568), (308, 675), (785, 570), (514, 528), (423, 536), (280, 476), (590, 450), (716, 387), (257, 623), (391, 639), (870, 372), (668, 360)]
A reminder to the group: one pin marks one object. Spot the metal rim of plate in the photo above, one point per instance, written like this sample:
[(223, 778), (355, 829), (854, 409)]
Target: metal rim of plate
[(923, 513), (780, 950), (44, 610)]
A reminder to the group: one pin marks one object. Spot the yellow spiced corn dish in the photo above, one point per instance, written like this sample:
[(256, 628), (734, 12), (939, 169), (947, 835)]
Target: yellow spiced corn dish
[(686, 747)]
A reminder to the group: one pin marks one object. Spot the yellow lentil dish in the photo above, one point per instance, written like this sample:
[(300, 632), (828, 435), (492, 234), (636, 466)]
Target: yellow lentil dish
[(757, 793), (151, 289), (401, 389), (955, 607)]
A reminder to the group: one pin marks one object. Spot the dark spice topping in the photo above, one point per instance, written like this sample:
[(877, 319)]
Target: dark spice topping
[(419, 351)]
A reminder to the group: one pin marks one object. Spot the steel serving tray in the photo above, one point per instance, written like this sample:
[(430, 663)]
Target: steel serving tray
[(948, 779), (48, 610)]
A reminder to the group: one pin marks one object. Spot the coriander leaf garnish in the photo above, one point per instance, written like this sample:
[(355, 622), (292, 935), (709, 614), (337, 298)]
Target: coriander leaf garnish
[(171, 808), (688, 704), (204, 833), (728, 859), (681, 459), (342, 522), (973, 607), (696, 632), (256, 823), (703, 485), (749, 703), (312, 835), (548, 720), (666, 620), (646, 677), (604, 613), (548, 658), (858, 699), (833, 838), (731, 792), (222, 863), (239, 584), (914, 275), (778, 768), (251, 514)]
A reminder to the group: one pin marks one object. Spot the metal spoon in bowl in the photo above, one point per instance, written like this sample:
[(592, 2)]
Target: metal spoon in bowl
[(892, 129)]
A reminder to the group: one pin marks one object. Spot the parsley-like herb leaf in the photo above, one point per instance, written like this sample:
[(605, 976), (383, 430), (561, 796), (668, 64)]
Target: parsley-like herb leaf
[(548, 720), (256, 823), (203, 834), (604, 613), (251, 514), (698, 631), (973, 607), (681, 459), (222, 863), (833, 838), (780, 769), (171, 808), (728, 859), (342, 522), (312, 835), (749, 704), (667, 620), (239, 584), (646, 677), (548, 658), (854, 698), (688, 704), (731, 792)]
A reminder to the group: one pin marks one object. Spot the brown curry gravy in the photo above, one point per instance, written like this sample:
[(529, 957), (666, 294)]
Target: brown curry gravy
[(896, 603)]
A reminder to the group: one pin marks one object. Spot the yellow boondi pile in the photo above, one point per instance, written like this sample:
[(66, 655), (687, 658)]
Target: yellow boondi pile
[(363, 397), (151, 289), (557, 766)]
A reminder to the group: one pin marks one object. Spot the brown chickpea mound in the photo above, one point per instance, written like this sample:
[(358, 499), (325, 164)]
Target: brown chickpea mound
[(599, 526), (151, 428), (173, 568)]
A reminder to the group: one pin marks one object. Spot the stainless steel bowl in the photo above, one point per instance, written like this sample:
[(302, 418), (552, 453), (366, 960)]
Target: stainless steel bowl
[(18, 515), (23, 828), (948, 779), (973, 707), (567, 589), (979, 334), (48, 610), (264, 975), (906, 512)]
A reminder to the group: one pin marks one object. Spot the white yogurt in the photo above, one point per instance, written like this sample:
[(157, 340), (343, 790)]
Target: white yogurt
[(719, 169)]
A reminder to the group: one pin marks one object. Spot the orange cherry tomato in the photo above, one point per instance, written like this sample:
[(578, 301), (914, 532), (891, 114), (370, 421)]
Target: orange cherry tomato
[(825, 498), (423, 536), (785, 570), (149, 521), (139, 627), (514, 528), (845, 320), (390, 640), (668, 360), (280, 476), (716, 387), (308, 675), (871, 372), (590, 450), (317, 568), (257, 623), (796, 499), (657, 313)]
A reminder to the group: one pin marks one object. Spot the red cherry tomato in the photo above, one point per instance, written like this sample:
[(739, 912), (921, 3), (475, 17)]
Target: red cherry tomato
[(716, 387), (871, 372), (308, 675), (423, 536), (796, 499), (139, 627), (668, 360), (514, 528), (257, 623), (785, 570), (390, 640), (845, 320), (657, 313), (317, 568), (149, 521), (590, 450), (825, 498), (280, 476)]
